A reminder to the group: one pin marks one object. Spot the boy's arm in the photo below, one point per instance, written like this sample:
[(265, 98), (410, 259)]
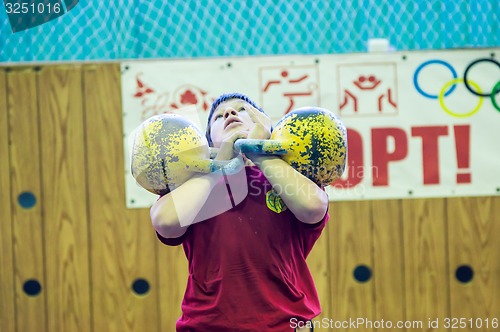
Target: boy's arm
[(304, 198), (307, 201), (189, 198), (185, 202)]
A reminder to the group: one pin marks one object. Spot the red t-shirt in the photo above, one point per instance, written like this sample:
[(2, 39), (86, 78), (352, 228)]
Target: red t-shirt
[(247, 267)]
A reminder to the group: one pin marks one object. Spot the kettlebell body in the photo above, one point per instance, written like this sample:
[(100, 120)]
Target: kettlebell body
[(310, 139), (315, 141), (167, 150)]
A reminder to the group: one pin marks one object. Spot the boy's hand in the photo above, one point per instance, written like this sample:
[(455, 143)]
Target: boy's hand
[(226, 150), (262, 128)]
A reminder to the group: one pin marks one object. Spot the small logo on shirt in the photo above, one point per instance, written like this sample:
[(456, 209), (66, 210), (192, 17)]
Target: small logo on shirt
[(274, 202)]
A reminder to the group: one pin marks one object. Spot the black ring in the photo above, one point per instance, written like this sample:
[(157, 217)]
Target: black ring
[(466, 82)]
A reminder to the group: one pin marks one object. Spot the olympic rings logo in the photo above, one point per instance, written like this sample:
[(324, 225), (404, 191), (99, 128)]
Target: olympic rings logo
[(450, 86)]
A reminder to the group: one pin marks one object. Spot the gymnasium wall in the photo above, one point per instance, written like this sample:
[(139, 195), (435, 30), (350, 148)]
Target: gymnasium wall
[(73, 257)]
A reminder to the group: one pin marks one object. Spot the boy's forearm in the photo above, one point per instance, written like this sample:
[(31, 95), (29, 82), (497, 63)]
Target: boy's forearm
[(304, 198), (182, 204)]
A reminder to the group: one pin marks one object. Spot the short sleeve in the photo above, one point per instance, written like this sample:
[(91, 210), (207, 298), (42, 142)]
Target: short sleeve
[(310, 233), (172, 241)]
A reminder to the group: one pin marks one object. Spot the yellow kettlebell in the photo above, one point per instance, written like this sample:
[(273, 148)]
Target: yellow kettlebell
[(310, 139), (168, 149)]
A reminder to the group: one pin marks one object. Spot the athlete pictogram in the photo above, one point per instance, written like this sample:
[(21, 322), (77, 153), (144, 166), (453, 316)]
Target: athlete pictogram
[(295, 86), (367, 83), (473, 87), (367, 89)]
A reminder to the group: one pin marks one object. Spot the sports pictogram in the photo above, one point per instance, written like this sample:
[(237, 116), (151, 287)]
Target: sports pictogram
[(367, 89), (286, 88)]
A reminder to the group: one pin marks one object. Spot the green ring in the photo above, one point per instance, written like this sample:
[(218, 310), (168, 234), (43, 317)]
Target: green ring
[(493, 93)]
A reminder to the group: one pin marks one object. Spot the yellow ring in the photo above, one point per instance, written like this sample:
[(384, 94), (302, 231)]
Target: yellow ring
[(447, 110)]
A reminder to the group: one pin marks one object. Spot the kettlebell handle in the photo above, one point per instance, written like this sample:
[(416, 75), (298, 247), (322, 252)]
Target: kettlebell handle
[(260, 146), (229, 167)]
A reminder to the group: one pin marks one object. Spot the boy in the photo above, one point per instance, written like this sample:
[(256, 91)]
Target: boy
[(247, 265)]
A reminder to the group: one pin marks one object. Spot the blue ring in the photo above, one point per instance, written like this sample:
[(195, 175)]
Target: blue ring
[(417, 72)]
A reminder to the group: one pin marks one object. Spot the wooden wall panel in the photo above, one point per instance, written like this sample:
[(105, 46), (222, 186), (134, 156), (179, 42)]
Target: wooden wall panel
[(7, 312), (61, 139), (388, 269), (319, 265), (350, 245), (122, 241), (474, 233), (64, 208), (25, 177), (426, 260), (172, 280)]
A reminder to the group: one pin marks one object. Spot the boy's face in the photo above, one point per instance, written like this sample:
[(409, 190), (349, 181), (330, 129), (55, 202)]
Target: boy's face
[(229, 118)]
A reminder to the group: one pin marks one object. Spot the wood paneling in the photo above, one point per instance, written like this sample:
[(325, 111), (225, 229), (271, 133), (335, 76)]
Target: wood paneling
[(173, 276), (122, 243), (426, 261), (351, 245), (319, 265), (474, 229), (7, 311), (388, 253), (65, 202), (27, 228), (61, 139)]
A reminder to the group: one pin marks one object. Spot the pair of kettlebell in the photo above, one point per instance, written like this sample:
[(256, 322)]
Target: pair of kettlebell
[(168, 149)]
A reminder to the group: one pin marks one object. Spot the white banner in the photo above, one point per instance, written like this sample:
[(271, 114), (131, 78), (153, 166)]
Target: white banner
[(420, 124)]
